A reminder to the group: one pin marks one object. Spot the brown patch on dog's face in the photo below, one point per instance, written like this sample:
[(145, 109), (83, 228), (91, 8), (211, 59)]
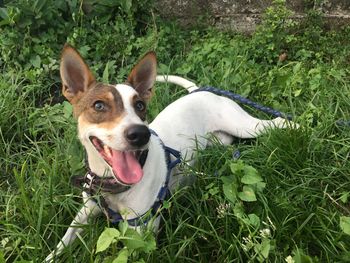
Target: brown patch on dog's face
[(101, 104), (139, 106)]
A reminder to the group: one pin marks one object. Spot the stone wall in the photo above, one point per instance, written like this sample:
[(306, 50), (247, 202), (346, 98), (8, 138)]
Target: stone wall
[(244, 15)]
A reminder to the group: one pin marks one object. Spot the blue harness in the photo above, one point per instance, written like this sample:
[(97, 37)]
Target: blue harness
[(164, 192)]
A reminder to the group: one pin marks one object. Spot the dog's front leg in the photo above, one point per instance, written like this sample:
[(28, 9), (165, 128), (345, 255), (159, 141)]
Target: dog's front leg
[(90, 209)]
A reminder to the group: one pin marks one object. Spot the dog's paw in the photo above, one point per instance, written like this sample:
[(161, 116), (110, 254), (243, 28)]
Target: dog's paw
[(284, 123)]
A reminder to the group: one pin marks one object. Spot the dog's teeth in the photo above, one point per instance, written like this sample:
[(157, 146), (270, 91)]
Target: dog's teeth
[(107, 151)]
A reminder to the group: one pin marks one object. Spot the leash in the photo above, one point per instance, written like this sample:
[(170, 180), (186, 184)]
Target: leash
[(245, 101), (343, 123), (96, 184), (255, 105)]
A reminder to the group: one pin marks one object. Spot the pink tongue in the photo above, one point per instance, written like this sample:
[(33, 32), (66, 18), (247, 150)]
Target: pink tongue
[(126, 167)]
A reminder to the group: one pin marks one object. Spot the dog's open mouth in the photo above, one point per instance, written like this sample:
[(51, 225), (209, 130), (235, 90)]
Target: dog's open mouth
[(125, 165)]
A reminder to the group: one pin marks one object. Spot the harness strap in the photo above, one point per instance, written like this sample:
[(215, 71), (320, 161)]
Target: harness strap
[(175, 153)]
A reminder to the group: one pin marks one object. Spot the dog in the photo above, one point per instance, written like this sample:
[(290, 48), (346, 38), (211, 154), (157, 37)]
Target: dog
[(112, 128)]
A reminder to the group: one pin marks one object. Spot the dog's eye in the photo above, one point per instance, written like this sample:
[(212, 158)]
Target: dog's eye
[(140, 105), (99, 105)]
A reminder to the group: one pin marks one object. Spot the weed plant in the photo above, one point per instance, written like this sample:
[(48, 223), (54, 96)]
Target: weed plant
[(284, 198)]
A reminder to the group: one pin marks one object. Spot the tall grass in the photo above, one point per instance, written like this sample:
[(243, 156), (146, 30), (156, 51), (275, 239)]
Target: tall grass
[(305, 172)]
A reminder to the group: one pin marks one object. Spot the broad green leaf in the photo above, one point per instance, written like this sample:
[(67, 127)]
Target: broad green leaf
[(4, 22), (251, 176), (150, 243), (67, 109), (301, 257), (238, 210), (345, 224), (265, 248), (4, 14), (84, 50), (123, 227), (108, 236), (205, 196), (36, 61), (345, 197), (237, 167), (228, 179), (260, 186), (230, 191), (254, 220), (213, 191), (122, 256), (133, 240), (2, 258), (247, 195)]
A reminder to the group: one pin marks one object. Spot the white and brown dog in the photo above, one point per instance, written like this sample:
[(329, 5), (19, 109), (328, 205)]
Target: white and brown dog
[(113, 129)]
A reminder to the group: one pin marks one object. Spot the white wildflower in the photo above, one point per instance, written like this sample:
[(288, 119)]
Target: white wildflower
[(266, 233), (247, 243), (222, 209), (289, 259)]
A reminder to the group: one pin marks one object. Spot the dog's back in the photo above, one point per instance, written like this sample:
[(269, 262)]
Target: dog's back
[(198, 114)]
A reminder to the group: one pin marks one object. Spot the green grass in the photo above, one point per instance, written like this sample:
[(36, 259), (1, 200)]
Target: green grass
[(305, 172)]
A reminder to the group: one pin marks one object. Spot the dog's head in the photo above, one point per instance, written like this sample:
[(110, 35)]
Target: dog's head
[(111, 118)]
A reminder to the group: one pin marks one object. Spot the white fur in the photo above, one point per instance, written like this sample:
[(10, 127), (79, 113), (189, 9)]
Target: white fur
[(194, 116)]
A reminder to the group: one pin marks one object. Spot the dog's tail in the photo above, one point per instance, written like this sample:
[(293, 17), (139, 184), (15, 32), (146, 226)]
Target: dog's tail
[(188, 85)]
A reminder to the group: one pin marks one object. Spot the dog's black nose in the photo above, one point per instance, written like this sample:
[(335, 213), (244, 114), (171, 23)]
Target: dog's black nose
[(137, 135)]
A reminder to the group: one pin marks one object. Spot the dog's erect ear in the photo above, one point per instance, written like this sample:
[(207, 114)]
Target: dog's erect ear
[(75, 74), (143, 75)]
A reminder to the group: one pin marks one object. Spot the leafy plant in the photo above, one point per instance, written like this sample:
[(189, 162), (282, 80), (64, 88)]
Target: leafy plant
[(345, 224), (275, 34), (285, 198), (134, 243), (243, 186)]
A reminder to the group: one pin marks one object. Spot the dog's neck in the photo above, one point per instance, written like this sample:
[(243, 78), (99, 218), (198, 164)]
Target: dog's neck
[(142, 195)]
